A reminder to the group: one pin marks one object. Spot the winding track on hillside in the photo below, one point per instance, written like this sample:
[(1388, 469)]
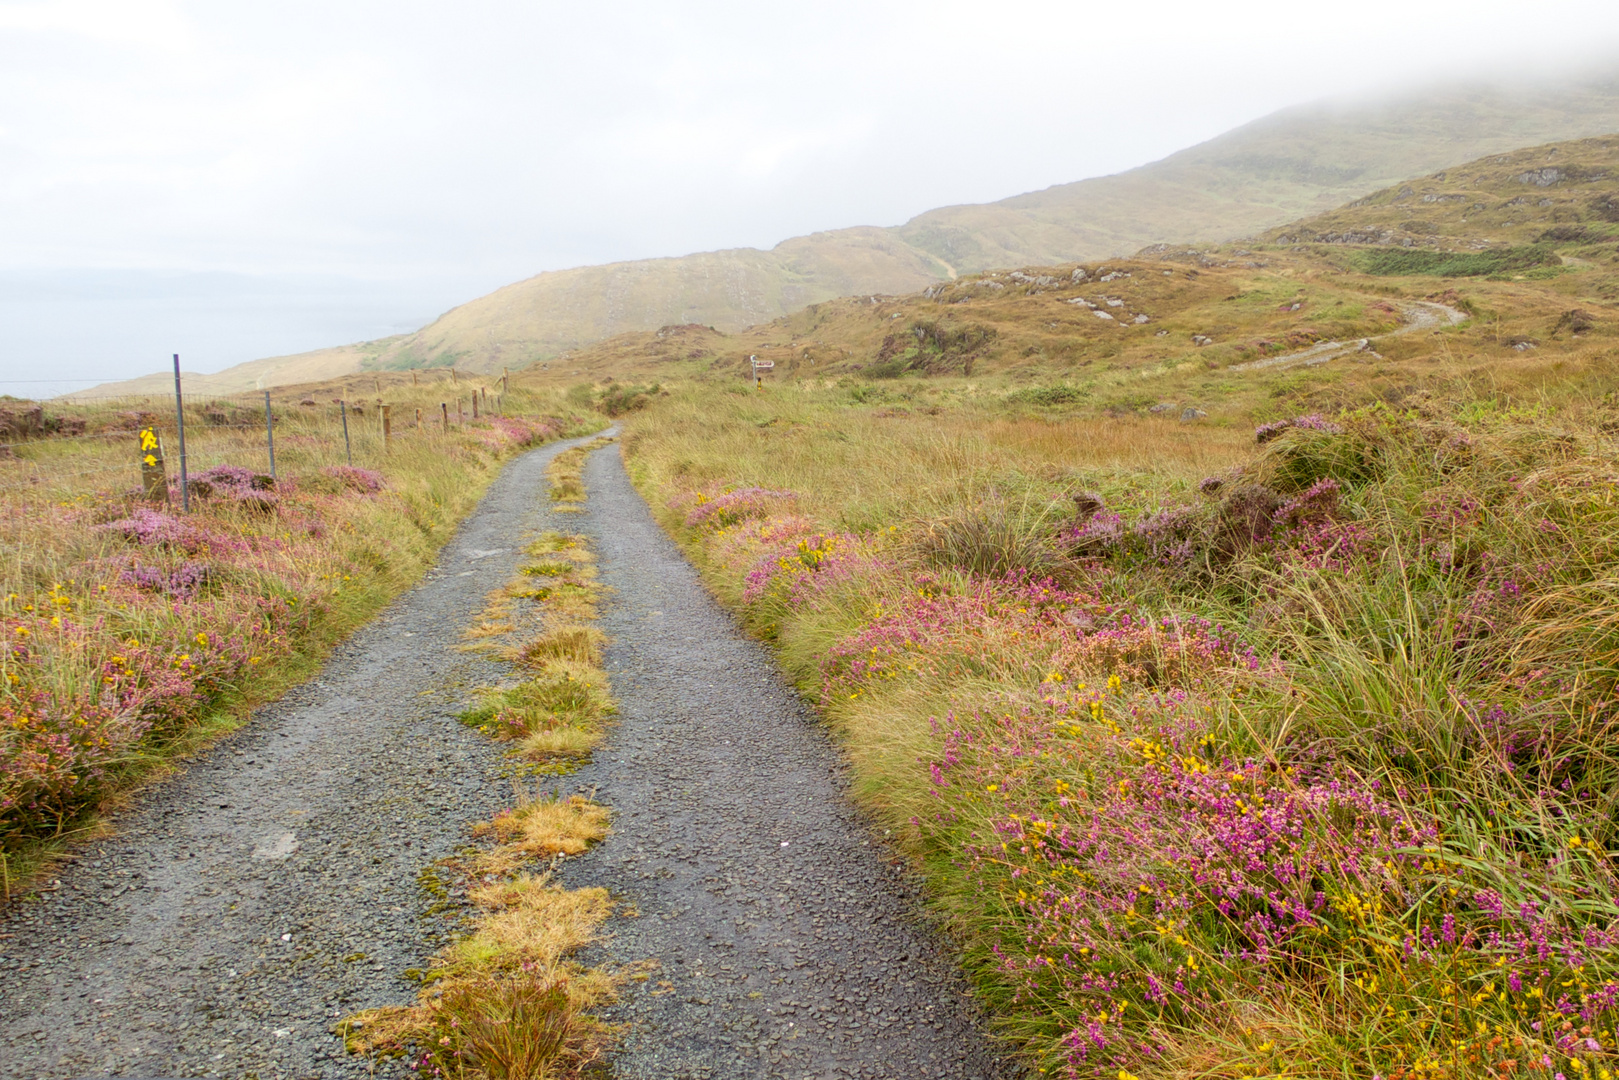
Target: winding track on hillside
[(1419, 315), (270, 887)]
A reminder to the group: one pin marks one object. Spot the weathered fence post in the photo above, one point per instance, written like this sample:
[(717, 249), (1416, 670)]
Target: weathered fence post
[(348, 450), (444, 409), (387, 426), (269, 432), (475, 405), (154, 476), (180, 417)]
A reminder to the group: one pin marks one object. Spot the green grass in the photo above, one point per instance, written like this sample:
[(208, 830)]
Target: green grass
[(1403, 262)]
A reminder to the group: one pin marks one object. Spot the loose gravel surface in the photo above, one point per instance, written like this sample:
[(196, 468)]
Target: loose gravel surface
[(790, 943), (271, 887)]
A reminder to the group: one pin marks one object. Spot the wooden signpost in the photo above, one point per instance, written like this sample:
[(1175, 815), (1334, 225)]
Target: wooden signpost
[(758, 366), (154, 476)]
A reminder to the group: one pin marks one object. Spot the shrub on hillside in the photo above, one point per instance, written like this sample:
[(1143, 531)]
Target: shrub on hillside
[(620, 398), (712, 513)]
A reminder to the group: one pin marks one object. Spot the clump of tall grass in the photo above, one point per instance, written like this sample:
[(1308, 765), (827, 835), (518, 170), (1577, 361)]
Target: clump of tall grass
[(992, 539), (560, 712), (508, 1001)]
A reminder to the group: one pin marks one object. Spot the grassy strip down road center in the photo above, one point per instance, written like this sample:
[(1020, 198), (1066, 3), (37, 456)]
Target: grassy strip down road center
[(505, 1001), (567, 483)]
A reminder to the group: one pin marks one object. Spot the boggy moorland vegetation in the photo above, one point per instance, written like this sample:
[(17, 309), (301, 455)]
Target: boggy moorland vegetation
[(1277, 740), (136, 632)]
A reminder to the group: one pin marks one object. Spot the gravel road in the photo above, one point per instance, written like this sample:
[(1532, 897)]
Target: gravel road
[(790, 945), (271, 886)]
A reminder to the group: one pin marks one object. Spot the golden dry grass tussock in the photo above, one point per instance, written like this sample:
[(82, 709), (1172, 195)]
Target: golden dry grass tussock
[(566, 475), (506, 1002), (538, 828), (566, 644)]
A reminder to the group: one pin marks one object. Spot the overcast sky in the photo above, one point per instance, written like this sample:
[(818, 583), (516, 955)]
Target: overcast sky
[(234, 180)]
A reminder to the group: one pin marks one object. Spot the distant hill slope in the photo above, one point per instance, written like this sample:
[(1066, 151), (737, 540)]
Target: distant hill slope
[(1500, 274), (1293, 163), (1555, 195), (1290, 164)]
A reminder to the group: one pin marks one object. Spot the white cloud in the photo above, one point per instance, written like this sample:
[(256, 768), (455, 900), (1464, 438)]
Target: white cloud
[(157, 24), (454, 147)]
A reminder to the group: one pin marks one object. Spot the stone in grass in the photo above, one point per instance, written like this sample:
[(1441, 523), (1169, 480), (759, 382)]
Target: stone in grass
[(1189, 414)]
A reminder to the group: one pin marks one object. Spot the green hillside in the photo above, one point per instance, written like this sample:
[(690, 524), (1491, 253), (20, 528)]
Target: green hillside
[(1502, 272), (1294, 163)]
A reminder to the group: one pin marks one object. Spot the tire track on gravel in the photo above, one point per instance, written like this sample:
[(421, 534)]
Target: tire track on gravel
[(789, 945), (219, 930)]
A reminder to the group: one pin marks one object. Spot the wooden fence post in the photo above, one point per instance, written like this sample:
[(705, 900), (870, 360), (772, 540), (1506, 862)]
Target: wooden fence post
[(154, 477), (444, 411), (348, 448), (269, 432), (180, 420), (387, 426)]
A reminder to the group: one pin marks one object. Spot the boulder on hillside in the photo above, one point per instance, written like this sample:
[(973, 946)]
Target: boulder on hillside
[(1575, 322), (1540, 177)]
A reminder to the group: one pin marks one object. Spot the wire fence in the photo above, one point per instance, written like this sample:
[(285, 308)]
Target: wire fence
[(48, 451)]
